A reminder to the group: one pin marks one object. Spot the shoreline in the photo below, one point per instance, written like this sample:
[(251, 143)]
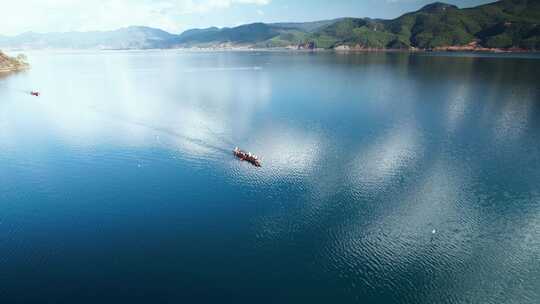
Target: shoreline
[(449, 49), (10, 64), (351, 50), (13, 70), (445, 49)]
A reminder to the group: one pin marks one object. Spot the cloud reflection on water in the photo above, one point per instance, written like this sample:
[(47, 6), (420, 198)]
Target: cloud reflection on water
[(127, 105), (362, 189), (398, 148)]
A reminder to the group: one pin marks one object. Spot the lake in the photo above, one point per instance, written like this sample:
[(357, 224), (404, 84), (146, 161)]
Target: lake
[(386, 178)]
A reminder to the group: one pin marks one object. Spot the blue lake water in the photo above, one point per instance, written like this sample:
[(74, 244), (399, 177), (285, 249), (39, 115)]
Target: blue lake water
[(386, 178)]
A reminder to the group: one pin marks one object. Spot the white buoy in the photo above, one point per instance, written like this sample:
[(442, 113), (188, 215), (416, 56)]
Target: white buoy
[(434, 231)]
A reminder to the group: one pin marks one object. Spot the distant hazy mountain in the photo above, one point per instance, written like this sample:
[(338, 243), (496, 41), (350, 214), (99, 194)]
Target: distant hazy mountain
[(134, 37), (503, 24)]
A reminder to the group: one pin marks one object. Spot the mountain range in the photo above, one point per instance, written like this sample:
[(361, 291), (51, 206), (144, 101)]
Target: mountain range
[(506, 24)]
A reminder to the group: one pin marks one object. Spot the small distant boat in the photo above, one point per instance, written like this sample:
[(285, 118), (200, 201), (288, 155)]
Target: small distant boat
[(246, 156), (34, 93)]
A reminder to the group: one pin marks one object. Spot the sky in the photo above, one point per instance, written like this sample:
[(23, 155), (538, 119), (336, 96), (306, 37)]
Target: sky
[(175, 16)]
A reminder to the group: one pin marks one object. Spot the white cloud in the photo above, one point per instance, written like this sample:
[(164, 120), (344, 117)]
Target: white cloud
[(207, 5), (74, 15)]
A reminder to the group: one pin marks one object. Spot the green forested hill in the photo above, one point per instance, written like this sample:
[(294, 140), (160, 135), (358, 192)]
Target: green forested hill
[(503, 24), (506, 24)]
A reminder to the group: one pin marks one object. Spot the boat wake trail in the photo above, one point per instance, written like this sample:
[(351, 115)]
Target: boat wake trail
[(219, 136), (175, 134), (20, 91), (167, 131)]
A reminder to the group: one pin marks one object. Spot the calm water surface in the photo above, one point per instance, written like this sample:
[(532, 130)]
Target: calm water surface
[(387, 178)]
